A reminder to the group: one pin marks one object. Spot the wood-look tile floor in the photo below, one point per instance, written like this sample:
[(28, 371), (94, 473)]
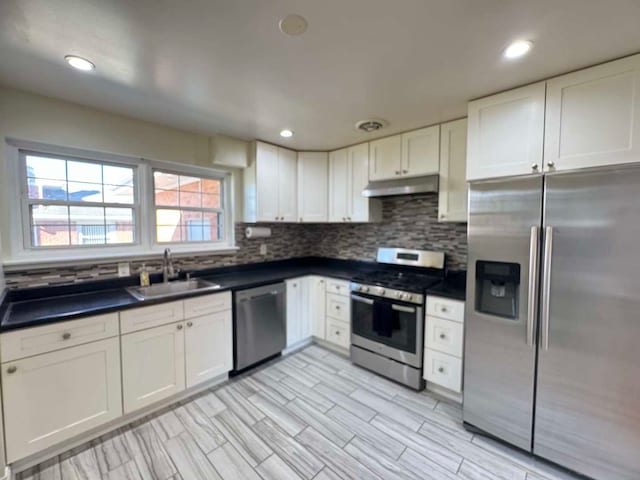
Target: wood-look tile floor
[(311, 415)]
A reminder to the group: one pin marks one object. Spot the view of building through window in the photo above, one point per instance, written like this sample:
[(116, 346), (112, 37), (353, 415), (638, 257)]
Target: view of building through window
[(188, 208), (74, 202)]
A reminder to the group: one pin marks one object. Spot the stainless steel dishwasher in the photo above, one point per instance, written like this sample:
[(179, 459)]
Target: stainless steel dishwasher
[(260, 328)]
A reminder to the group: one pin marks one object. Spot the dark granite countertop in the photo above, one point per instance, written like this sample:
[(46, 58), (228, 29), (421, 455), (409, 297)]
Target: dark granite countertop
[(24, 308), (453, 286)]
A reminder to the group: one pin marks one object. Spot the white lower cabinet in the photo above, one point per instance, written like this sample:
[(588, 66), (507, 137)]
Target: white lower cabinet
[(338, 332), (208, 344), (442, 369), (54, 396), (297, 321), (317, 306), (153, 365), (338, 313)]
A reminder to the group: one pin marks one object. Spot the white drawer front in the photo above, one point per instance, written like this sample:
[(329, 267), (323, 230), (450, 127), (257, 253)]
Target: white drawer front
[(339, 333), (339, 287), (445, 308), (442, 369), (339, 307), (33, 341), (444, 336), (195, 307), (153, 316)]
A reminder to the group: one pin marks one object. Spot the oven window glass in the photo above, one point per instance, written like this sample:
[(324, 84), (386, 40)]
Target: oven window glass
[(394, 325)]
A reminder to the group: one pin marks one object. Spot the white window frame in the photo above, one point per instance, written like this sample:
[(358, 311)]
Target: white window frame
[(16, 240)]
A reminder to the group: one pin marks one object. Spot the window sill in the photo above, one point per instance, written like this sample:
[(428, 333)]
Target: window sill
[(38, 260)]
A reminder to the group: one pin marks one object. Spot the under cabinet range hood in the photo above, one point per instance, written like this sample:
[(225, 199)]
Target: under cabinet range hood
[(402, 186)]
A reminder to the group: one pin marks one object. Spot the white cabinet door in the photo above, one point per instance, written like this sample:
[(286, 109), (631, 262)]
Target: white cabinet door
[(453, 191), (52, 397), (339, 190), (313, 195), (208, 344), (152, 365), (593, 116), (316, 306), (359, 206), (266, 182), (385, 158), (294, 311), (421, 152), (287, 185), (505, 135)]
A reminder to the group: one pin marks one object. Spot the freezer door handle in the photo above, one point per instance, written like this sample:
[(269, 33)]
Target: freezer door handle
[(546, 288), (534, 252)]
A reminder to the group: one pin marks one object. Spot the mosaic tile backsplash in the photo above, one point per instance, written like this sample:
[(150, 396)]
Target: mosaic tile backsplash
[(408, 221)]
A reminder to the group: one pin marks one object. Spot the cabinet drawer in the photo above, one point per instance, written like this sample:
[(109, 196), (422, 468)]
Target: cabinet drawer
[(339, 287), (444, 336), (339, 307), (339, 333), (442, 369), (33, 341), (194, 307), (445, 308), (147, 317)]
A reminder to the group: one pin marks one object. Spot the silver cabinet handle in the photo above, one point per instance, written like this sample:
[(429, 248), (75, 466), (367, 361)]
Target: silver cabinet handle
[(443, 336), (189, 324), (337, 332), (551, 164), (66, 336), (397, 172), (534, 166), (534, 242), (441, 369), (12, 369), (546, 288), (405, 171), (179, 326), (443, 309), (400, 308), (337, 307)]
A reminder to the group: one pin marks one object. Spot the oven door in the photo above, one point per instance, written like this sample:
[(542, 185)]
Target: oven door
[(392, 329)]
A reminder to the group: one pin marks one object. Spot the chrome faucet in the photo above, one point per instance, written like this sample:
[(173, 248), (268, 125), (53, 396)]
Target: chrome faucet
[(168, 272)]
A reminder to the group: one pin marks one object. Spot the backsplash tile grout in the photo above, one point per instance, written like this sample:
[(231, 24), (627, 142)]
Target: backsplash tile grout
[(408, 222)]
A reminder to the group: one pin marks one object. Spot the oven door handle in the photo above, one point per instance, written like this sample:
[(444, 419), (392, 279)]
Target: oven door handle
[(357, 298), (400, 308)]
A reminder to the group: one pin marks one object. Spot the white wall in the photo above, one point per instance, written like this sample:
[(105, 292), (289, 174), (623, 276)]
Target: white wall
[(26, 116)]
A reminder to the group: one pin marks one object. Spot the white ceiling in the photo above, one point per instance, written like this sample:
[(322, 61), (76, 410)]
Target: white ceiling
[(223, 66)]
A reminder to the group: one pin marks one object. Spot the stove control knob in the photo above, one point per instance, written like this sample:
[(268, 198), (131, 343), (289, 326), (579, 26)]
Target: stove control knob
[(365, 289), (360, 288), (408, 297), (399, 295), (381, 291)]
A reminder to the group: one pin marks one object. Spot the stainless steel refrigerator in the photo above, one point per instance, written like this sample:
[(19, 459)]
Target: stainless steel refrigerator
[(552, 341)]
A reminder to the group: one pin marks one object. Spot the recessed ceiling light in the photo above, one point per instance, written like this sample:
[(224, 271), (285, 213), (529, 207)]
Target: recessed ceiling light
[(518, 49), (293, 25), (80, 63), (371, 125), (286, 133)]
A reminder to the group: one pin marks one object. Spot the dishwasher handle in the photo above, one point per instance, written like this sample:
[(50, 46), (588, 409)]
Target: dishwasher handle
[(260, 292)]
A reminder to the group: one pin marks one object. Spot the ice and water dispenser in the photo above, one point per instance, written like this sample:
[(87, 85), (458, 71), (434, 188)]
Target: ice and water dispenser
[(497, 287)]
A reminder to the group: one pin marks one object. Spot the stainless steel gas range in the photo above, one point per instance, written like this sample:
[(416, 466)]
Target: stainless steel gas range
[(387, 313)]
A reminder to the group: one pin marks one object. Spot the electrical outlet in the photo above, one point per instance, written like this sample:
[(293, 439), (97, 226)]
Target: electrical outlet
[(123, 269), (263, 249)]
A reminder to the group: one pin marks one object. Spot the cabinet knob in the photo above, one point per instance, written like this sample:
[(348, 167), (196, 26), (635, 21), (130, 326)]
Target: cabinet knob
[(441, 369), (551, 164), (405, 171), (337, 332), (277, 218), (179, 326), (443, 336), (300, 218), (349, 218), (66, 336), (12, 369), (189, 324), (397, 172), (344, 219), (534, 166), (443, 309)]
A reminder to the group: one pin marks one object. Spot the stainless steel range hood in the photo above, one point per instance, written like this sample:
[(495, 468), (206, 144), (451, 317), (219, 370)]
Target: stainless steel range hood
[(401, 186)]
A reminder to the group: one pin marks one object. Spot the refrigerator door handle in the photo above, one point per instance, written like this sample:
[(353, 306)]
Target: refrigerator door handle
[(534, 252), (546, 288)]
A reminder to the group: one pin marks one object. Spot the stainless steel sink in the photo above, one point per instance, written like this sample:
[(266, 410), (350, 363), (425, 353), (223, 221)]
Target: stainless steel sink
[(169, 289)]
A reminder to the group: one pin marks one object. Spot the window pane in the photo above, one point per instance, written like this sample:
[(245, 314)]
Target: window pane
[(165, 181), (211, 186), (169, 198), (117, 175), (118, 194), (43, 167), (49, 225), (189, 184), (46, 189), (190, 199), (87, 225), (210, 201), (84, 172), (84, 192), (212, 224)]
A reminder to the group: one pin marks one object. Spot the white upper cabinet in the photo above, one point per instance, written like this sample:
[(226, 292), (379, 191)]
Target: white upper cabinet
[(313, 192), (593, 116), (270, 185), (421, 152), (453, 191), (385, 160), (408, 155), (505, 133), (348, 177)]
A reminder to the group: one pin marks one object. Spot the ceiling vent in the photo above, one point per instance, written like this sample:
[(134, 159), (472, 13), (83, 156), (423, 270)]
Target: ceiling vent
[(372, 125)]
